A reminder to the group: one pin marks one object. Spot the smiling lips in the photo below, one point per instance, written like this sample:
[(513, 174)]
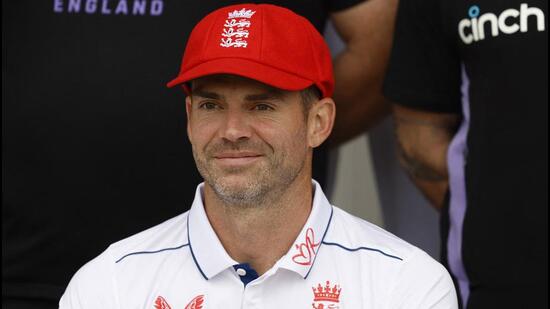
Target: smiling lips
[(237, 158)]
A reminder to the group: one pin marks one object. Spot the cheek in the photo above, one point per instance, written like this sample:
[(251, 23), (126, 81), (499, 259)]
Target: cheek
[(201, 132), (288, 138), (299, 142)]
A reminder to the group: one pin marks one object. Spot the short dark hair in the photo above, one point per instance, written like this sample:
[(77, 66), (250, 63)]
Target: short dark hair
[(309, 95)]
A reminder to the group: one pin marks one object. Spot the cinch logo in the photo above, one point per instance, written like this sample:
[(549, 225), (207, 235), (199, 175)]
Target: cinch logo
[(113, 7), (508, 22)]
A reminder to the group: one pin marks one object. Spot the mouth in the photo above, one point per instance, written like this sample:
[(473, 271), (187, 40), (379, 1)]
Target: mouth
[(237, 158)]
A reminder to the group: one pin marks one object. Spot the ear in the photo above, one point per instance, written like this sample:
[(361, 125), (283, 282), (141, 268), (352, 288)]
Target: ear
[(320, 121), (188, 110)]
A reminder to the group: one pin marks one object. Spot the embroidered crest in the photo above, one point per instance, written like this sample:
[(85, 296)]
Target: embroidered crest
[(306, 250), (242, 23), (235, 30), (326, 297), (196, 303), (161, 303), (243, 13)]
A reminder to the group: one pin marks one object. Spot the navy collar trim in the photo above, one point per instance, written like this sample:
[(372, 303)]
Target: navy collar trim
[(193, 254)]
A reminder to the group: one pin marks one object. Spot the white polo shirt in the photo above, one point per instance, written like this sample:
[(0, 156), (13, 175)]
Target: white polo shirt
[(337, 261)]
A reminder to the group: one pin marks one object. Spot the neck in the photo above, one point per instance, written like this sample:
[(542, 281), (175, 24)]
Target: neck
[(261, 234)]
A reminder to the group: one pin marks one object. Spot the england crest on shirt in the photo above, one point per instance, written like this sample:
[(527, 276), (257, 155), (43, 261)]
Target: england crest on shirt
[(326, 297)]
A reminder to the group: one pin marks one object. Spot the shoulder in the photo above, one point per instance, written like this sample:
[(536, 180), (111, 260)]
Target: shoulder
[(169, 235), (94, 285), (410, 277), (392, 256), (353, 234)]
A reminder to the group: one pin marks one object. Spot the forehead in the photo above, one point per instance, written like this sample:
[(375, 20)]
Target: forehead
[(237, 85)]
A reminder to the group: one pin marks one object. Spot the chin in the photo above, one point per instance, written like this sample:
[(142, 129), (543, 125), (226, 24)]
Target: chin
[(238, 190)]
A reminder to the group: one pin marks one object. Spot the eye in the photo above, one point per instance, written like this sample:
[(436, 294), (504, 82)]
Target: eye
[(263, 107), (208, 105)]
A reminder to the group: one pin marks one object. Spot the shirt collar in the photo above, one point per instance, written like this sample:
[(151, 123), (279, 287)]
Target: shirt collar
[(206, 248), (211, 258), (301, 255)]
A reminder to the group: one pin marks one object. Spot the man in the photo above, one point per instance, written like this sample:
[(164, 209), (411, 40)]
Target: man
[(260, 232), (98, 140), (471, 86)]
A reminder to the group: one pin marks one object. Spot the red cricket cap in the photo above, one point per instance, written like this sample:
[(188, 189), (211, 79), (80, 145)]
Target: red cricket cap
[(264, 42)]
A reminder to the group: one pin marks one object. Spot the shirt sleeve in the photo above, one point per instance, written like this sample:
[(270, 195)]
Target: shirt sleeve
[(424, 68), (423, 283), (92, 287)]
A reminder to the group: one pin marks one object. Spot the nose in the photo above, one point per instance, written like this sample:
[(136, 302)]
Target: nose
[(235, 127)]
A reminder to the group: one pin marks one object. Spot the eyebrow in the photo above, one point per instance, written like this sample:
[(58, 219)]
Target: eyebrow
[(206, 94)]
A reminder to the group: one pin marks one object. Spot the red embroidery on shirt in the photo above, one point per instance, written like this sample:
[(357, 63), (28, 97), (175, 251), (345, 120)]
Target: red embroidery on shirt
[(196, 303), (326, 297), (306, 250), (161, 303)]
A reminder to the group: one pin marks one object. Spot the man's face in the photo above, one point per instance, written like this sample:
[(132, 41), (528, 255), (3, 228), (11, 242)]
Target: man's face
[(249, 140)]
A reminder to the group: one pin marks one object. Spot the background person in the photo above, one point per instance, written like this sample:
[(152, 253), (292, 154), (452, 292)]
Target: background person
[(470, 82)]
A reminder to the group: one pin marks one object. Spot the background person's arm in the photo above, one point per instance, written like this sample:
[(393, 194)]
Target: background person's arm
[(367, 30), (423, 139)]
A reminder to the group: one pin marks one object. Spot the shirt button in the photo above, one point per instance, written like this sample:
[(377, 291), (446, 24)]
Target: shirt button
[(241, 272)]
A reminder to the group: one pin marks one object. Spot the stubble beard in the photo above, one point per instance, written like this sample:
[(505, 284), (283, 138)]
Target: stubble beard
[(265, 182)]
